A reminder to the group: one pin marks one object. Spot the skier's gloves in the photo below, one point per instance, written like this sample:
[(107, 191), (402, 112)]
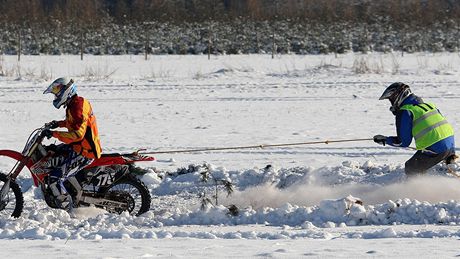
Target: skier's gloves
[(52, 124), (47, 133), (380, 139)]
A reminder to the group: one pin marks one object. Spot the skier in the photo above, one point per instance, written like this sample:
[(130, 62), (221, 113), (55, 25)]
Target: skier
[(81, 139), (434, 136)]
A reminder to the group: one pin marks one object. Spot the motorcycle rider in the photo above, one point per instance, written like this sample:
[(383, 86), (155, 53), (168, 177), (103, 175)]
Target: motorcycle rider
[(81, 140), (434, 136)]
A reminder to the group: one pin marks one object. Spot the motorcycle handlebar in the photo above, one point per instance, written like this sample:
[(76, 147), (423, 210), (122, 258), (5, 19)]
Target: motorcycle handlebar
[(40, 130), (46, 126)]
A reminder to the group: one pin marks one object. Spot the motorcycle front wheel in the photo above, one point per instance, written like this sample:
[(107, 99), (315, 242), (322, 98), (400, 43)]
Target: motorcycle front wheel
[(13, 202)]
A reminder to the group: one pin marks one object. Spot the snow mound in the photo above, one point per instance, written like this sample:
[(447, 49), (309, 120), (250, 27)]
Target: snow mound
[(303, 198)]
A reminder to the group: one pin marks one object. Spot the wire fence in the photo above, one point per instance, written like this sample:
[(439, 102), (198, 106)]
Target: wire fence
[(235, 37)]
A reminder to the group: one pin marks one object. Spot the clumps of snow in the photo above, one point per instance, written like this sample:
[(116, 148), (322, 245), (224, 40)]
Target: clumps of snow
[(336, 210), (87, 212), (227, 71), (294, 198), (262, 193), (151, 178), (322, 70), (297, 195)]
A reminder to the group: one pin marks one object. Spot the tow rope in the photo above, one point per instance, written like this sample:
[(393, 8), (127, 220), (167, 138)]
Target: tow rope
[(253, 146), (261, 146)]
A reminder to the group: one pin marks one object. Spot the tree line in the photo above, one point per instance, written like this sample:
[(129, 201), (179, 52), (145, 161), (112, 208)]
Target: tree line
[(93, 12)]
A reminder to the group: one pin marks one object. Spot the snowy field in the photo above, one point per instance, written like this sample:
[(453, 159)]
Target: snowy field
[(325, 200)]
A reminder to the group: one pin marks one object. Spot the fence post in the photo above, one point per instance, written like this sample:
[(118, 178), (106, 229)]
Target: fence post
[(81, 44), (274, 26), (335, 46), (458, 35), (147, 43), (19, 44), (402, 47), (257, 40), (147, 37), (209, 49), (209, 41), (273, 42), (403, 41)]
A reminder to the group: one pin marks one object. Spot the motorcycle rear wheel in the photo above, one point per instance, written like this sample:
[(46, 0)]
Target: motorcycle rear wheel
[(14, 200), (132, 192)]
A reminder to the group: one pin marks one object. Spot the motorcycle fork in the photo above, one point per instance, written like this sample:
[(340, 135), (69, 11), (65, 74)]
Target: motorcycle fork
[(12, 176), (5, 189), (18, 168), (21, 164)]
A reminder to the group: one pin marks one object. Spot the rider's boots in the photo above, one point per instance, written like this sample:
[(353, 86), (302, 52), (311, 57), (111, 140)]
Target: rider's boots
[(62, 198)]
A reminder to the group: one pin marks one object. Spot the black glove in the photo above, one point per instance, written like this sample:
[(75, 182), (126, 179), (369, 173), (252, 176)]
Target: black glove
[(380, 139), (47, 133), (52, 124)]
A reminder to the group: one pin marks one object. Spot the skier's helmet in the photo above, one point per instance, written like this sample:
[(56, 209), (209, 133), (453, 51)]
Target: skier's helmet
[(396, 93), (63, 89)]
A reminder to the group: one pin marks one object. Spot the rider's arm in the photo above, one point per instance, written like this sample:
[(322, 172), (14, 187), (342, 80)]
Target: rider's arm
[(76, 123), (404, 130), (62, 124)]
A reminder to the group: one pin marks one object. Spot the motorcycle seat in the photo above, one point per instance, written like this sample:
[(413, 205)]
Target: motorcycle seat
[(111, 155)]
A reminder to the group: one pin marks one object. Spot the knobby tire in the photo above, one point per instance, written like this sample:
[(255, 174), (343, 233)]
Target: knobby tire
[(141, 188), (19, 198)]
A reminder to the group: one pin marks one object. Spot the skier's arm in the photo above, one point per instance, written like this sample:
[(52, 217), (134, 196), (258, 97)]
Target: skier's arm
[(403, 129)]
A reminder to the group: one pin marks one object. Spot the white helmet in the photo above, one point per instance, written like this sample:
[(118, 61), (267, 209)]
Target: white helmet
[(63, 89)]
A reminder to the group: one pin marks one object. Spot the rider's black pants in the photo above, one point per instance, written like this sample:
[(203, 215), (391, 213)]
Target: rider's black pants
[(422, 161)]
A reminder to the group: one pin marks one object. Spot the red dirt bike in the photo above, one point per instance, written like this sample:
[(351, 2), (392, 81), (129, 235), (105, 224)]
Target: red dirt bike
[(109, 182)]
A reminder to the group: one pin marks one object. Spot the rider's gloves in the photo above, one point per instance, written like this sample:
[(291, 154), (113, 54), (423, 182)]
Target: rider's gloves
[(380, 139), (52, 124), (47, 133)]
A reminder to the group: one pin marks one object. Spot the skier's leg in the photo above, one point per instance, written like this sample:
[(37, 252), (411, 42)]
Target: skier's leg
[(451, 158), (422, 161)]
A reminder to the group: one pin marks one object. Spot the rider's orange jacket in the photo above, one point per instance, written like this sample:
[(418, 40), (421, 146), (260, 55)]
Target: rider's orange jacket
[(82, 132)]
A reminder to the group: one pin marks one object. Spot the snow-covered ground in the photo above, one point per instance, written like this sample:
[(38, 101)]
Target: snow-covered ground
[(340, 199)]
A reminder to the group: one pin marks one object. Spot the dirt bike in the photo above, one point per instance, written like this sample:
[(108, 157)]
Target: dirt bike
[(109, 182)]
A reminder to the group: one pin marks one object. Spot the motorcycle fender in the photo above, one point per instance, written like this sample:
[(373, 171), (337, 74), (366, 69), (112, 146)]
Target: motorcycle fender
[(18, 157)]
